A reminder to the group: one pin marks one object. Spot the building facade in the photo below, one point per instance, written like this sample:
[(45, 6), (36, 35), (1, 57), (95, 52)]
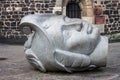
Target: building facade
[(105, 14)]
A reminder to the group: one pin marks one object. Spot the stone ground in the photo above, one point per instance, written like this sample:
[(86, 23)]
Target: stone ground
[(16, 67)]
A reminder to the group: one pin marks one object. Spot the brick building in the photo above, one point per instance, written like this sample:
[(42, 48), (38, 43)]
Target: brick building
[(105, 14)]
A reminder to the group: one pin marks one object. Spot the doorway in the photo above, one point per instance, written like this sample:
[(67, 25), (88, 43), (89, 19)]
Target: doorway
[(73, 10)]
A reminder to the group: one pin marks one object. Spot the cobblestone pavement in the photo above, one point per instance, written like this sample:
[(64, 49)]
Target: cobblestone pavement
[(14, 66)]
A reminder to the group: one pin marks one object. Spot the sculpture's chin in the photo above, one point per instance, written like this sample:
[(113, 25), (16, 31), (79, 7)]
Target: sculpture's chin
[(99, 56), (34, 60)]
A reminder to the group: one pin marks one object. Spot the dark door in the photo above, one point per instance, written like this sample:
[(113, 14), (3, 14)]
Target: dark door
[(73, 10)]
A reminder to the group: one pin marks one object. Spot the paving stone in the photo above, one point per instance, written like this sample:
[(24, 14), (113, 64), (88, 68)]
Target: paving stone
[(16, 67)]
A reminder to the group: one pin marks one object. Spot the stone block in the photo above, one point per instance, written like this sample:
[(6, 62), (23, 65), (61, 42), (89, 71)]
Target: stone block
[(15, 16), (13, 24), (87, 12), (37, 5), (7, 23), (8, 9), (48, 11), (90, 7), (87, 2), (46, 1), (89, 19), (24, 9), (100, 27), (119, 11), (90, 12), (56, 9), (1, 23), (99, 19), (18, 8), (98, 10), (84, 12), (46, 5)]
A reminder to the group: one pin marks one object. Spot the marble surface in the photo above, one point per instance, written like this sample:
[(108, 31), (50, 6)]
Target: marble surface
[(59, 43)]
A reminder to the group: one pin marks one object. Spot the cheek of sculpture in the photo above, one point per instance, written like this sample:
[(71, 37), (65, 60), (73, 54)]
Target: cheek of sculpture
[(80, 41)]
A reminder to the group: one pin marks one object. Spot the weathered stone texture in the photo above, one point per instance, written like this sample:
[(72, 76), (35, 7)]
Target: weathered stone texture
[(12, 11), (111, 11)]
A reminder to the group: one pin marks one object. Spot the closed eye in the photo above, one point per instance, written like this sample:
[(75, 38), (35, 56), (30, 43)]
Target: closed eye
[(76, 27)]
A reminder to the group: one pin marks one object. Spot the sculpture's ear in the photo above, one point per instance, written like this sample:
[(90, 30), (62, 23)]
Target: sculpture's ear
[(26, 28), (30, 23)]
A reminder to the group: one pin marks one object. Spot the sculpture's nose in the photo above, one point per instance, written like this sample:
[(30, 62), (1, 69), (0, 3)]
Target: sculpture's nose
[(89, 29), (86, 28)]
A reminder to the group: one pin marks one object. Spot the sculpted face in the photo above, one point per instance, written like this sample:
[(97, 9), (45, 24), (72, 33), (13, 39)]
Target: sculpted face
[(59, 43), (76, 35), (83, 37)]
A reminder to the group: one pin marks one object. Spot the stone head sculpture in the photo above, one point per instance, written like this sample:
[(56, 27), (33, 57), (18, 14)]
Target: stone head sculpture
[(59, 43)]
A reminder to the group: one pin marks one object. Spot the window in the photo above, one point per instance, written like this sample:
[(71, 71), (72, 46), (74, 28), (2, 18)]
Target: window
[(73, 10)]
